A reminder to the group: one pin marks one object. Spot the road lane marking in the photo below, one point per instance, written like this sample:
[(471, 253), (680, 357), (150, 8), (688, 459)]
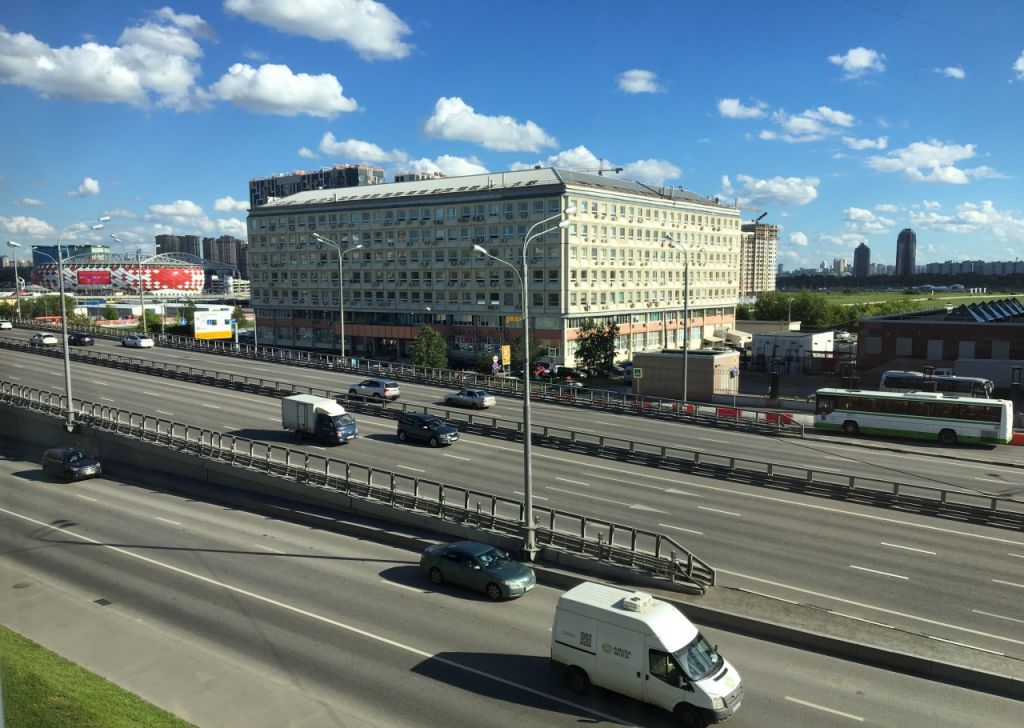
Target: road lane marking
[(167, 520), (536, 497), (907, 548), (1009, 583), (210, 406), (680, 528), (711, 439), (151, 394), (457, 457), (1017, 556), (410, 467), (673, 491), (804, 703), (864, 605), (876, 571), (574, 482), (100, 384), (997, 616), (267, 548), (719, 510), (633, 506), (332, 622), (106, 399), (230, 427), (161, 412), (404, 586), (88, 498)]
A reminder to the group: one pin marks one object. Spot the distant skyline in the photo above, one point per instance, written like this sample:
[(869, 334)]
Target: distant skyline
[(845, 121)]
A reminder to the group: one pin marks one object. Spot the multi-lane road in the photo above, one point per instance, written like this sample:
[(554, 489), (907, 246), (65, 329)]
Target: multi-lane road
[(232, 619)]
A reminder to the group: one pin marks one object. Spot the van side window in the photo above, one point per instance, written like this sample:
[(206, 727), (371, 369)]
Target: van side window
[(663, 667)]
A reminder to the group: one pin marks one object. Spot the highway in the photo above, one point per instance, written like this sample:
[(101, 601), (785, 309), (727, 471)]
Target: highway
[(231, 619), (958, 581)]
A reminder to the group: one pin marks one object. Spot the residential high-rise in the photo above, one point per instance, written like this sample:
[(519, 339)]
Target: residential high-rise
[(264, 189), (861, 261), (906, 252), (759, 245), (620, 259), (178, 244), (227, 249), (43, 254)]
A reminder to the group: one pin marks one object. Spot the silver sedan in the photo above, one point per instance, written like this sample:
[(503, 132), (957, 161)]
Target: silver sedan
[(475, 398)]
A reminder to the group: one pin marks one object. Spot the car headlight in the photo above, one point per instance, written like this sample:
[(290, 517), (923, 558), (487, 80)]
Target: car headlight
[(718, 703)]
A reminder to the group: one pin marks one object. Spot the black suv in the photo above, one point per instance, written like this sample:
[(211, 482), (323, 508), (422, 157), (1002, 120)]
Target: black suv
[(426, 428), (80, 339)]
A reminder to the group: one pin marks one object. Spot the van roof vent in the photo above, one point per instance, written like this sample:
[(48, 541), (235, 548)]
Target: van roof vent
[(637, 602)]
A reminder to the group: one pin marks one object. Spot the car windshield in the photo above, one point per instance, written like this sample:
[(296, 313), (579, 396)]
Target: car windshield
[(492, 557), (344, 420), (435, 424), (698, 659), (77, 456)]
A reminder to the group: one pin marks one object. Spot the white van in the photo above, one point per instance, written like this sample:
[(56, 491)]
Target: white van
[(643, 647)]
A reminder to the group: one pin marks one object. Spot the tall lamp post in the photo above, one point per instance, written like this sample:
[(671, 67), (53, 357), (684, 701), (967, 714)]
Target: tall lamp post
[(142, 290), (686, 315), (70, 424), (341, 289), (17, 281), (530, 548)]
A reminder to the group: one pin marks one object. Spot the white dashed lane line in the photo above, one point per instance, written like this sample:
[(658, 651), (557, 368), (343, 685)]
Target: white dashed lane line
[(907, 548), (804, 703), (882, 573)]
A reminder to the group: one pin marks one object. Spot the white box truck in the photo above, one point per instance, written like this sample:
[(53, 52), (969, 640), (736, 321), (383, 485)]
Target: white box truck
[(318, 417), (642, 647)]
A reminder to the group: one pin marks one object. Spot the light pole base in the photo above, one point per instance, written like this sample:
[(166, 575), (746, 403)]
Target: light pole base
[(71, 427)]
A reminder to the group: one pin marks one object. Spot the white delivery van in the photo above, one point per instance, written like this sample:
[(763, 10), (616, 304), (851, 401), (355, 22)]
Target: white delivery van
[(636, 645)]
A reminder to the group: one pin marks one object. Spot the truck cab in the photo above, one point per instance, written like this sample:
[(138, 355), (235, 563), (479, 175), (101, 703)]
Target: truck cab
[(317, 417)]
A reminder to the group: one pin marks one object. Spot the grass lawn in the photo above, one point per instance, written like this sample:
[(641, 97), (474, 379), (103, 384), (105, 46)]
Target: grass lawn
[(43, 690), (954, 298)]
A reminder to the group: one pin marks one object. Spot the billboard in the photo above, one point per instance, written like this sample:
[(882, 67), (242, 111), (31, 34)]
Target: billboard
[(213, 322), (93, 277)]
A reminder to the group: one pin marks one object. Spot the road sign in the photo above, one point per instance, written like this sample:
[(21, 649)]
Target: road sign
[(494, 359), (638, 373), (513, 319), (182, 322), (506, 354)]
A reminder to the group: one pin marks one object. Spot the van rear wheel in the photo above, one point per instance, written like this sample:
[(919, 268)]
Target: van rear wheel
[(689, 717), (578, 680)]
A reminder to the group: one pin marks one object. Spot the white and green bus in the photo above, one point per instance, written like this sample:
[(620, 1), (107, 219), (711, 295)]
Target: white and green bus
[(920, 415)]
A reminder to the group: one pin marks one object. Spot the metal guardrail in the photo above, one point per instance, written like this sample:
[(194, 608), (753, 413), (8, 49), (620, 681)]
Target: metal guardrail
[(667, 409), (607, 541), (929, 500)]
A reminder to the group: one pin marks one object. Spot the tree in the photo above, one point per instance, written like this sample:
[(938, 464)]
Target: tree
[(109, 312), (241, 321), (595, 346), (429, 349)]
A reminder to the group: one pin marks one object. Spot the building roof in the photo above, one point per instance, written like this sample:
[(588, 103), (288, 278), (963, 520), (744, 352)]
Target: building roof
[(1006, 310), (474, 183)]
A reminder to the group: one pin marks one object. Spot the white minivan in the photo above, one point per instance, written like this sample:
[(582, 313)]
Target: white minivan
[(642, 647)]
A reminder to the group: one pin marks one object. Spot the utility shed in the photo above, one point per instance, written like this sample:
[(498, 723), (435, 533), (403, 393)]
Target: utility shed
[(709, 372), (791, 346)]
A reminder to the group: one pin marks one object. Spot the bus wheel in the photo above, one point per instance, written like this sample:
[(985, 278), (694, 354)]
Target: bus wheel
[(850, 427), (947, 437)]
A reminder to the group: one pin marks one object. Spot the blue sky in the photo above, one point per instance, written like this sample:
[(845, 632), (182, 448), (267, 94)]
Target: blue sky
[(845, 120)]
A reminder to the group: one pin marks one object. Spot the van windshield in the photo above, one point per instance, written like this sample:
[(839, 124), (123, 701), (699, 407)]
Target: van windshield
[(698, 659), (345, 420)]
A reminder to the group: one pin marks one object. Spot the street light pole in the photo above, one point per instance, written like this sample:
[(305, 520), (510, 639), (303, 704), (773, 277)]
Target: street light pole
[(341, 290), (70, 423), (686, 316), (530, 547), (17, 284)]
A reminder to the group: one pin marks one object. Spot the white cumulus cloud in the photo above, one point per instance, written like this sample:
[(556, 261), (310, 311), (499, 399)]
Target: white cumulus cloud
[(859, 220), (448, 165), (21, 225), (178, 208), (639, 81), (931, 161), (974, 218), (369, 27), (811, 125), (798, 238), (859, 61), (155, 60), (275, 89), (359, 151), (455, 120), (854, 143), (88, 187), (887, 207), (581, 159), (1018, 66), (930, 204), (651, 171), (28, 202), (230, 204), (751, 192), (308, 153), (734, 109), (844, 239), (952, 72)]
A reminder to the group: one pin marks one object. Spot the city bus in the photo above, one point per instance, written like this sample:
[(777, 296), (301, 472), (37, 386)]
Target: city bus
[(922, 415), (894, 381)]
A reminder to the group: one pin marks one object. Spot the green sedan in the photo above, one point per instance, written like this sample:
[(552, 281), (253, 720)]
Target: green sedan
[(478, 566)]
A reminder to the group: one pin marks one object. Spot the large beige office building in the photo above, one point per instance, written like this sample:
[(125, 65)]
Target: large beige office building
[(620, 258)]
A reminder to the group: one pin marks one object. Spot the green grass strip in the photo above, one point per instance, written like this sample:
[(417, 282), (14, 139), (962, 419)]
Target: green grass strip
[(43, 690)]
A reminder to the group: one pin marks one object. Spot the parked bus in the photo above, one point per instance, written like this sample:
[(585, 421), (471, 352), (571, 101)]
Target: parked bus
[(894, 381), (921, 415)]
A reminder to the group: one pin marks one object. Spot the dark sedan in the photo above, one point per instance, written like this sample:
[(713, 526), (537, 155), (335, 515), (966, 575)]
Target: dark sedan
[(478, 566), (70, 463), (78, 339)]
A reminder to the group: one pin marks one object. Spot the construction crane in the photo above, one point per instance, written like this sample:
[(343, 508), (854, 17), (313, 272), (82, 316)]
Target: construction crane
[(601, 169)]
